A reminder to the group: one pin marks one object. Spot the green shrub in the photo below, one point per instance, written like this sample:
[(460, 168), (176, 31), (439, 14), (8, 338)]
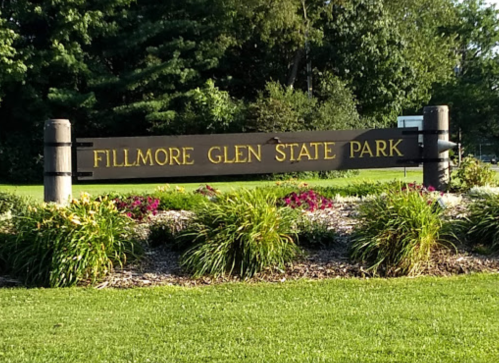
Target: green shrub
[(481, 227), (175, 200), (162, 233), (360, 189), (12, 203), (472, 173), (283, 109), (64, 246), (170, 233), (315, 234), (397, 232), (242, 232)]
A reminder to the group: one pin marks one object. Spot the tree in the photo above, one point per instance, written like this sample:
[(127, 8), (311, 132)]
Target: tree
[(45, 45), (473, 94), (379, 48)]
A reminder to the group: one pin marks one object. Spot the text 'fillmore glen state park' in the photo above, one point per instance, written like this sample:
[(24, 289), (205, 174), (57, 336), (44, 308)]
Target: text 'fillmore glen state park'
[(160, 156)]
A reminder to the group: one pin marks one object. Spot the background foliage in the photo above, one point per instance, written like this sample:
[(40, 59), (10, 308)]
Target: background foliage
[(142, 67)]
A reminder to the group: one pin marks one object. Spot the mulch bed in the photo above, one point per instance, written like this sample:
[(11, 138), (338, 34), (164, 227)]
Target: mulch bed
[(160, 266)]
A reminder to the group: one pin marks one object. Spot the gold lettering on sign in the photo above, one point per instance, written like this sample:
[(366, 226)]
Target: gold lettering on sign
[(307, 151), (218, 158), (157, 157), (145, 158), (115, 162), (362, 149), (316, 149), (304, 152), (174, 155), (328, 151), (291, 147), (354, 148), (282, 155), (366, 150), (127, 163), (119, 158), (394, 147), (97, 158), (237, 154), (256, 153), (226, 157), (380, 148), (240, 157), (186, 155), (108, 158)]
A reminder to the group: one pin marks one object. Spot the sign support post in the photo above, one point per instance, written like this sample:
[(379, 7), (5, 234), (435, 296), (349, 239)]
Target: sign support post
[(436, 166), (57, 161)]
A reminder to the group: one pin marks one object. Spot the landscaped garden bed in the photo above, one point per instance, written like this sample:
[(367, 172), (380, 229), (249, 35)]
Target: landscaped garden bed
[(160, 265), (285, 232)]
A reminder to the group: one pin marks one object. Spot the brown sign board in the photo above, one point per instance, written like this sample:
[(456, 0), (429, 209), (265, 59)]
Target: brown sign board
[(252, 153)]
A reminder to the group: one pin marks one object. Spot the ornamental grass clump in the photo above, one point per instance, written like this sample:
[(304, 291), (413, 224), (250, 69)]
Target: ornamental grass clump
[(243, 233), (60, 246), (398, 231), (481, 227)]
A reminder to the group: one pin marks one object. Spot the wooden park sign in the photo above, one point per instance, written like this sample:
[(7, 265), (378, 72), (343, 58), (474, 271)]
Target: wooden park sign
[(252, 153), (196, 155)]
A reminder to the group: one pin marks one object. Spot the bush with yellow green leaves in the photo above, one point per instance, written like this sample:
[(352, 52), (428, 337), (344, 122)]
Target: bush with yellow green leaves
[(51, 245)]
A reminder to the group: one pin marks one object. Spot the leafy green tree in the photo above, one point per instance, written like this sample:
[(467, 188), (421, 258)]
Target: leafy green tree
[(12, 68), (206, 109), (473, 94), (429, 49), (284, 109), (45, 44), (364, 46)]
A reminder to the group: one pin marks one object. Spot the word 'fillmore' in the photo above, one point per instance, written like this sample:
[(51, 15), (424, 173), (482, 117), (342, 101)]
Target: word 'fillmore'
[(164, 156)]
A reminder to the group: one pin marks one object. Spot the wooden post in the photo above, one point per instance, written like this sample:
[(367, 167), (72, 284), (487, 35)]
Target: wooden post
[(435, 163), (57, 161)]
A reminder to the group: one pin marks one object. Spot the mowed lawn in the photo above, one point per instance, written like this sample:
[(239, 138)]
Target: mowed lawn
[(36, 191), (397, 320)]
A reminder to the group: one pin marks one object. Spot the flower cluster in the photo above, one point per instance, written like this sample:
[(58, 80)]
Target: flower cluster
[(137, 207), (428, 193), (308, 200), (414, 187), (207, 191)]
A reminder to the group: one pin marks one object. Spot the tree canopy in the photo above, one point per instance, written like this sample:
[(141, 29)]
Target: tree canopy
[(140, 67)]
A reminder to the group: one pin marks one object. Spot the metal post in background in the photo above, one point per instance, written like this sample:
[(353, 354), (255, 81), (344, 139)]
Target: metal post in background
[(435, 163), (57, 161)]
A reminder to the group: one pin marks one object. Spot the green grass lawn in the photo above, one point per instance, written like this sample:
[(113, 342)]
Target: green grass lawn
[(398, 320), (36, 191)]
